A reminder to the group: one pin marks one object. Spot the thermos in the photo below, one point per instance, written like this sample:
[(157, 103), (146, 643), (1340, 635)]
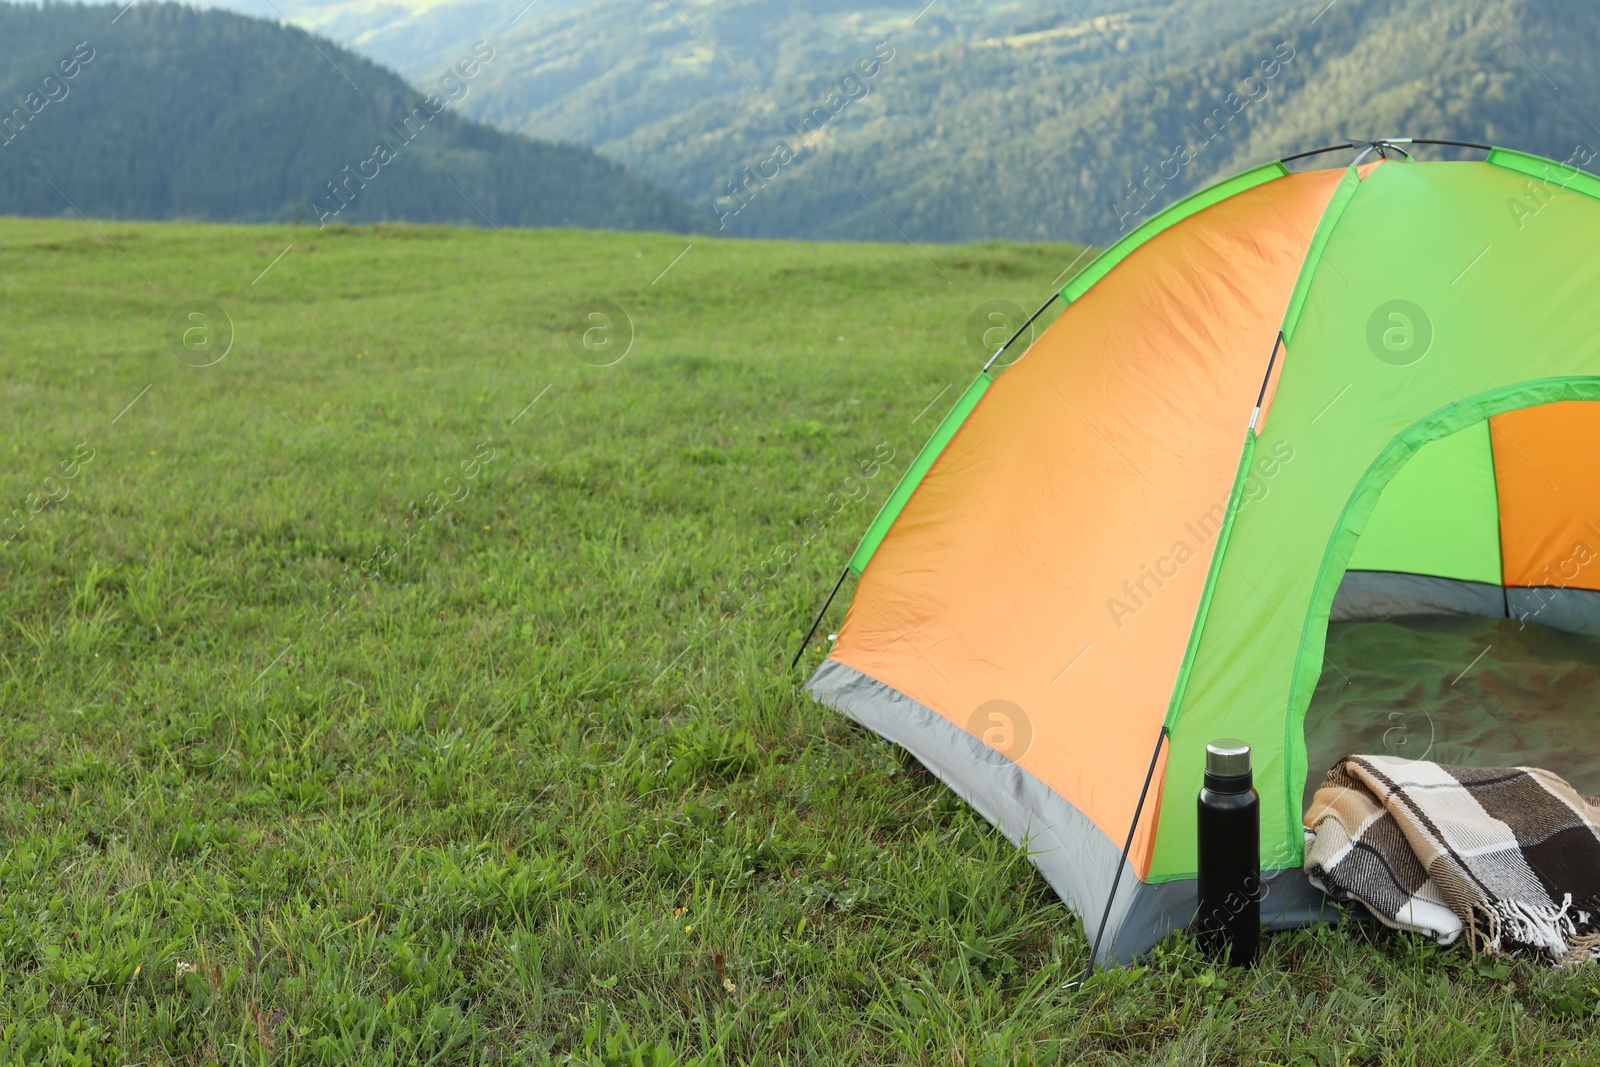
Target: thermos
[(1228, 921)]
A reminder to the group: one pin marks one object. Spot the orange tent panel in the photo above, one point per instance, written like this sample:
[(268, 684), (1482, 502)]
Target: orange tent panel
[(1549, 494), (1054, 556)]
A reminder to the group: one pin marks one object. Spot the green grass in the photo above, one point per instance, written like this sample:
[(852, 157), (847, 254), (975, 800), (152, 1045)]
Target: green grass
[(295, 770)]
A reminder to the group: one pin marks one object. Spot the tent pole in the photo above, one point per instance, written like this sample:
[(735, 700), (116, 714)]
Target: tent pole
[(1094, 949), (1265, 378), (1393, 141), (1452, 144), (818, 620), (1024, 326), (1316, 152)]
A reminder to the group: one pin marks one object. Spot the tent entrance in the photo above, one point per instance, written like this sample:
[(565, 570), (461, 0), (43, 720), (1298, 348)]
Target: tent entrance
[(1458, 689), (1466, 628)]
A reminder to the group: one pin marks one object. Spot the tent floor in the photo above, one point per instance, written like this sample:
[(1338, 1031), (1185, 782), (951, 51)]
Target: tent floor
[(1468, 691)]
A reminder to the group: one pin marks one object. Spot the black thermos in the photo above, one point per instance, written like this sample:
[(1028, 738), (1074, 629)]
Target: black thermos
[(1229, 918)]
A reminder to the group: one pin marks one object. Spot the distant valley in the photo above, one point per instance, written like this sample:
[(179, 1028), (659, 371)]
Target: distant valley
[(992, 120)]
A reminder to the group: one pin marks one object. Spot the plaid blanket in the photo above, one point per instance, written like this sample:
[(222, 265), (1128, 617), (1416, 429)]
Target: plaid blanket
[(1510, 856)]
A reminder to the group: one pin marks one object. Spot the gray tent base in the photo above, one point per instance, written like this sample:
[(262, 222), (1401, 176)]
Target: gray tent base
[(1373, 595), (1075, 857)]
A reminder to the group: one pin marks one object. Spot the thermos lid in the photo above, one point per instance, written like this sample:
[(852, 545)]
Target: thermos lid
[(1228, 757)]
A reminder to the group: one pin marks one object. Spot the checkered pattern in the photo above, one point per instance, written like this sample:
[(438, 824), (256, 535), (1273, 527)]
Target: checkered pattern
[(1508, 855)]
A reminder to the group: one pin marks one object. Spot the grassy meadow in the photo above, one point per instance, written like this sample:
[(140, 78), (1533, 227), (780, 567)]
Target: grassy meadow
[(405, 687)]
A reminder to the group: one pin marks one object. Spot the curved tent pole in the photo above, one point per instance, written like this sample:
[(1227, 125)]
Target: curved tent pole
[(1265, 378), (1316, 152), (1053, 298), (1394, 142), (846, 572), (1379, 147), (818, 620), (1127, 846), (1198, 199), (1452, 144)]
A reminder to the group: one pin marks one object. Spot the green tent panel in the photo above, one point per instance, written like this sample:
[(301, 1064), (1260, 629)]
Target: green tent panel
[(1440, 516)]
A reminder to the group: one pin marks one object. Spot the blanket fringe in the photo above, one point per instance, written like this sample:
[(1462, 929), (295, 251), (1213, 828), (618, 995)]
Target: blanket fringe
[(1559, 934)]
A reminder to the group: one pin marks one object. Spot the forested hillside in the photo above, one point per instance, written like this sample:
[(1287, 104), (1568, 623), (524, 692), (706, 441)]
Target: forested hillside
[(960, 120), (1018, 120), (164, 111)]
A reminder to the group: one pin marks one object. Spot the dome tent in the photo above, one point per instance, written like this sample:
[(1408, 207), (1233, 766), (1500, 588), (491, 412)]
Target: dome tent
[(1357, 393)]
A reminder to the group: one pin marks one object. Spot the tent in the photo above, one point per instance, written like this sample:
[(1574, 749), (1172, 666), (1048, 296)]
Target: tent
[(1297, 395)]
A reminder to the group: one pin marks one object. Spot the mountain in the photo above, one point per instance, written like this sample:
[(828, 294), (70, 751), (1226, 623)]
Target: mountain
[(1003, 119), (162, 111)]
